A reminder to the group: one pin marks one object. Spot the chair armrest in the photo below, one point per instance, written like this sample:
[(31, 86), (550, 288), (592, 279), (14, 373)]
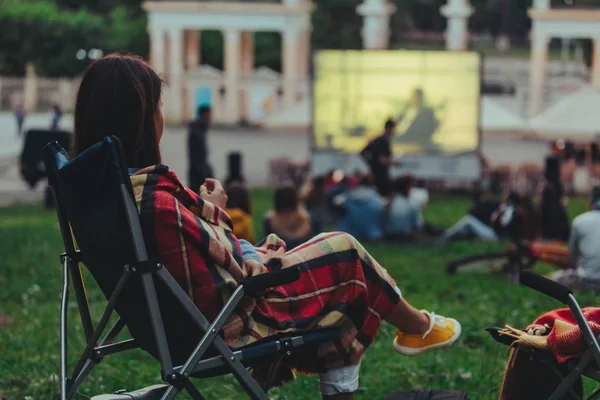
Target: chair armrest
[(258, 283), (545, 286)]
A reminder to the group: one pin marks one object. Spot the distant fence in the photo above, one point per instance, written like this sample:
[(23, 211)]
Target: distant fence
[(38, 94)]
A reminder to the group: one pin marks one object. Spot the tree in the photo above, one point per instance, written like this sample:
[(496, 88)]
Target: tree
[(38, 32)]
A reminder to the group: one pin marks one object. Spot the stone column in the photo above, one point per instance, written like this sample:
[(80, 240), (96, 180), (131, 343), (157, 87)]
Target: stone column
[(541, 5), (232, 75), (247, 52), (176, 75), (192, 49), (304, 58), (596, 64), (376, 23), (157, 50), (290, 54), (537, 72), (457, 12)]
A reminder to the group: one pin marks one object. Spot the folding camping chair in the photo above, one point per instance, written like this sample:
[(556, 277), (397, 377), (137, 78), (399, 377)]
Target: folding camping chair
[(589, 364), (95, 202)]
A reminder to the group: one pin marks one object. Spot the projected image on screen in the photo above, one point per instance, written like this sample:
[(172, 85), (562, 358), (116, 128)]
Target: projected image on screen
[(433, 96)]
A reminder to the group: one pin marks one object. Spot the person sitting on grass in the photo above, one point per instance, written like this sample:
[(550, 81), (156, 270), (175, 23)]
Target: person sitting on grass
[(317, 203), (363, 211), (340, 285), (239, 208), (402, 220), (477, 223), (419, 195), (584, 252), (289, 219)]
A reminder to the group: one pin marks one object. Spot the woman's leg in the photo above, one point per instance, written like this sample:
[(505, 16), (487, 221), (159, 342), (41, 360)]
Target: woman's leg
[(339, 383), (365, 285), (408, 319)]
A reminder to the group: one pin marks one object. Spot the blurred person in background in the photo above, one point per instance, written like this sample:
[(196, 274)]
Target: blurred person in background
[(199, 168), (239, 208), (584, 252), (288, 219), (317, 203), (553, 215), (20, 115), (478, 223), (419, 195), (354, 180), (363, 212), (402, 220), (55, 117), (378, 156)]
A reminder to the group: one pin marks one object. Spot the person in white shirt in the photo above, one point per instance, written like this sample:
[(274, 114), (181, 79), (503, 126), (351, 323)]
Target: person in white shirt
[(584, 252), (419, 195)]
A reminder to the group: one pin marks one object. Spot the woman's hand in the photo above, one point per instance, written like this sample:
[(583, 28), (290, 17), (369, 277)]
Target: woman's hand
[(212, 190)]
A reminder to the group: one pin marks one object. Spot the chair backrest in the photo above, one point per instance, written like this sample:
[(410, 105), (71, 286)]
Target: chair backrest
[(94, 194)]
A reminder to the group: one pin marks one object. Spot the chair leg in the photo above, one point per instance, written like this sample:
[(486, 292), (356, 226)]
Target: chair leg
[(271, 374), (63, 331), (193, 391), (595, 395), (565, 386), (78, 380)]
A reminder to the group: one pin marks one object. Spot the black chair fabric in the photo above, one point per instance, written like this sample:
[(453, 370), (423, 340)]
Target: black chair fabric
[(90, 188)]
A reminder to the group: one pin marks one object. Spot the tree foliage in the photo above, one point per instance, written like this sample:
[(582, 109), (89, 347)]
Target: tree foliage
[(49, 33)]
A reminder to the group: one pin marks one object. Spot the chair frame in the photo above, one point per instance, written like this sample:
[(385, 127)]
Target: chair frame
[(177, 377), (589, 364)]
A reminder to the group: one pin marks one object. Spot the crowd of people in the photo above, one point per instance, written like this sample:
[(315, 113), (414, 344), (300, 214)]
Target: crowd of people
[(352, 204)]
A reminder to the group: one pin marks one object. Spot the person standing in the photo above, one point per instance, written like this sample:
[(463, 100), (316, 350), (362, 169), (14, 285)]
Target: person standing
[(56, 116), (378, 155), (199, 169), (20, 114)]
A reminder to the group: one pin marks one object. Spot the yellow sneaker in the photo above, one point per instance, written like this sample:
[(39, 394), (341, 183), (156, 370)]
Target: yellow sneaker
[(442, 332)]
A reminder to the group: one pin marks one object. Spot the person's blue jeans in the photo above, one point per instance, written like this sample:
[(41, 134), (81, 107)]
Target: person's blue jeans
[(470, 226)]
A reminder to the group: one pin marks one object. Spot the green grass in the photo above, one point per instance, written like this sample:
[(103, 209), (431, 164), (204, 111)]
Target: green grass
[(31, 282)]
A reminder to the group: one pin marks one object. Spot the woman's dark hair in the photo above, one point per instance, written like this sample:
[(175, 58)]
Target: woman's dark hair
[(286, 199), (120, 95), (239, 197)]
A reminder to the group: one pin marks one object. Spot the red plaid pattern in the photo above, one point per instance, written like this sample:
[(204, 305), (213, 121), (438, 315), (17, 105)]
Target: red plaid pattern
[(340, 283)]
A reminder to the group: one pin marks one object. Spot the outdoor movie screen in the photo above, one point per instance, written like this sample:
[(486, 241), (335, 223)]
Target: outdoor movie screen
[(432, 96)]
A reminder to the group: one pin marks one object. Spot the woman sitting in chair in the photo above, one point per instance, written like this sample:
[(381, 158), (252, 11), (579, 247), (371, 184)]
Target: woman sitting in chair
[(340, 283)]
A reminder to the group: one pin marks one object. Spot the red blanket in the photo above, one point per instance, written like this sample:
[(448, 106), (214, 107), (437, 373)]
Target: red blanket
[(565, 339)]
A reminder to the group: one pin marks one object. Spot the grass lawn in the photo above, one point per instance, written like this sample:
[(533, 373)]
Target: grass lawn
[(31, 282)]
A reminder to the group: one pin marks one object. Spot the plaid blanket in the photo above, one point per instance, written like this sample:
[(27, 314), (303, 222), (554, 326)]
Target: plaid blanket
[(340, 284)]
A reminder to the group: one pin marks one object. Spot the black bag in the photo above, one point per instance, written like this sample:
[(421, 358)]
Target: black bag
[(427, 395)]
